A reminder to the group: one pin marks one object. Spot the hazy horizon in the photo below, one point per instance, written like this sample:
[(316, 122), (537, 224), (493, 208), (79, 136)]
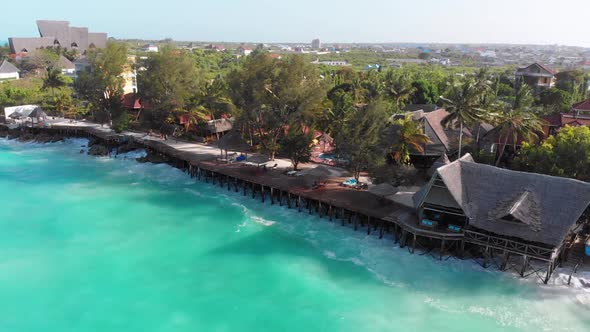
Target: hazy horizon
[(520, 22)]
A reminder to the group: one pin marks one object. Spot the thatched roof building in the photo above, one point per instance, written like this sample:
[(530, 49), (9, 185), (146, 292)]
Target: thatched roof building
[(59, 34), (220, 125), (536, 208), (440, 162)]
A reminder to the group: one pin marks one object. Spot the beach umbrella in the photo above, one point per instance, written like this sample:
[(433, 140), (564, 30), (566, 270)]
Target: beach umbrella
[(319, 173), (383, 190), (233, 141), (258, 159), (38, 113), (15, 115)]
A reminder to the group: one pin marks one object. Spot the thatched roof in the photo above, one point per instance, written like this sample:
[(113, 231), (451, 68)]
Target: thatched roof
[(442, 139), (25, 111), (440, 162), (220, 125), (37, 113), (324, 137), (404, 196), (258, 159), (8, 68), (233, 141), (65, 63), (383, 190), (54, 33), (29, 45), (534, 207), (320, 172)]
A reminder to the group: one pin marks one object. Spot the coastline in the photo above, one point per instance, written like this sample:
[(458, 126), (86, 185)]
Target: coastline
[(356, 209)]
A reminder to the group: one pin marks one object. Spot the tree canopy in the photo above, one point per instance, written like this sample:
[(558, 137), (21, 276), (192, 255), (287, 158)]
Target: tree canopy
[(565, 154), (359, 139), (169, 80), (274, 93)]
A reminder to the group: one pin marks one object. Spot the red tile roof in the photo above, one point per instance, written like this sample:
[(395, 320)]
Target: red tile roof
[(584, 105), (553, 120), (550, 70), (542, 67), (572, 120), (560, 120), (132, 101)]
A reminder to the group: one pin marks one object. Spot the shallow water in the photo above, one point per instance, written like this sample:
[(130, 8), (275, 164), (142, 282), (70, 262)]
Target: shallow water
[(98, 244)]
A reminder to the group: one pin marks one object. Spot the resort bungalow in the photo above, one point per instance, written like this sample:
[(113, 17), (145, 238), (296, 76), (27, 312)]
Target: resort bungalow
[(58, 34), (443, 140), (537, 76), (8, 71), (67, 67), (505, 211)]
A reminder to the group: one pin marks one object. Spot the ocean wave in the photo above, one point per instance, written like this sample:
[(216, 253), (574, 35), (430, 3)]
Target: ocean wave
[(132, 154)]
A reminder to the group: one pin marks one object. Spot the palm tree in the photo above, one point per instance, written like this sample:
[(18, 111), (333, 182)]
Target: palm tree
[(408, 137), (62, 102), (524, 97), (210, 102), (53, 80), (464, 105), (213, 97), (517, 124), (398, 87)]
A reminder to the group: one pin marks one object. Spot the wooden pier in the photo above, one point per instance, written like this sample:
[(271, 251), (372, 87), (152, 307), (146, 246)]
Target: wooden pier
[(357, 209)]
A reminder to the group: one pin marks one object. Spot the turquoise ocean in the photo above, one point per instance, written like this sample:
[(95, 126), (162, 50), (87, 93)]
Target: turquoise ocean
[(105, 244)]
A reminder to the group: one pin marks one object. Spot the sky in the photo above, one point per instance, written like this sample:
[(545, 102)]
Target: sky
[(561, 22)]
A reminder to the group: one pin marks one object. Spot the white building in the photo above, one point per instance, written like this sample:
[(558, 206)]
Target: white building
[(338, 63), (244, 51), (150, 48), (8, 71)]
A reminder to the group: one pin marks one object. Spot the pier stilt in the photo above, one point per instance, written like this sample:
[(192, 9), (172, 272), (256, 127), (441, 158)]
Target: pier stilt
[(525, 263)]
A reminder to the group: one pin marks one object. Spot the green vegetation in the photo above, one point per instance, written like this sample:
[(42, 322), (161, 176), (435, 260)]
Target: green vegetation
[(359, 139), (517, 124), (277, 104), (464, 103), (272, 94), (565, 154), (296, 145), (406, 137), (101, 84)]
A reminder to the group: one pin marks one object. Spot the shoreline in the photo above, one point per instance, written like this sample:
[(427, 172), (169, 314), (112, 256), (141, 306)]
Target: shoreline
[(344, 206)]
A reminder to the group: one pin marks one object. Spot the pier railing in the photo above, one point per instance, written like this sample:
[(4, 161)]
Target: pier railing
[(510, 246)]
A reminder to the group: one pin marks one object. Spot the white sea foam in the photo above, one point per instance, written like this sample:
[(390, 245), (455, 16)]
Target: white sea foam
[(262, 221), (132, 154)]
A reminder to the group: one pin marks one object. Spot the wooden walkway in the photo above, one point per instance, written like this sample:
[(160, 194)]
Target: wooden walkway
[(357, 208)]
